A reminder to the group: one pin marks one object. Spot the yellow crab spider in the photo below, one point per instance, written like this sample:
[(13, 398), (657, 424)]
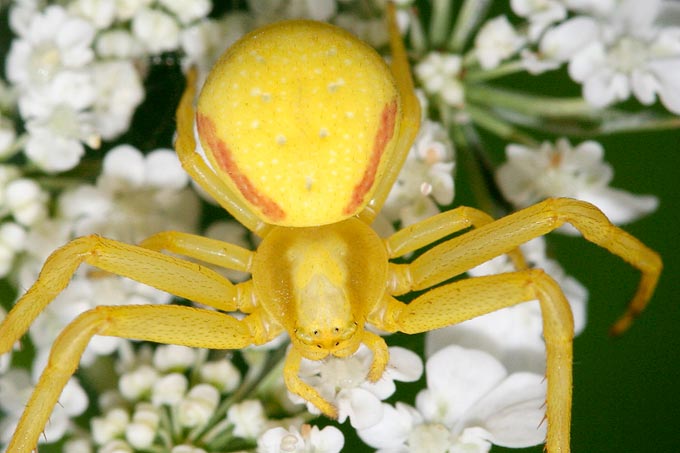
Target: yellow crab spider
[(305, 129)]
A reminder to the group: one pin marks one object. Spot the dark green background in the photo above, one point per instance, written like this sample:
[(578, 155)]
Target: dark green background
[(626, 396)]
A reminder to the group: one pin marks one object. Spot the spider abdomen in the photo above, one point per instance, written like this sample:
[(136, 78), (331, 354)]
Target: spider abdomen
[(299, 119)]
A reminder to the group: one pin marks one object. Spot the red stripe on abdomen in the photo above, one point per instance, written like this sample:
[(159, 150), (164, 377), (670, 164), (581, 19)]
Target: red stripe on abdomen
[(223, 157), (382, 138)]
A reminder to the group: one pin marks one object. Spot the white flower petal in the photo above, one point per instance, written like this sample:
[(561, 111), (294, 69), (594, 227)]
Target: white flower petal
[(404, 365), (83, 201), (222, 374), (636, 15), (169, 389), (51, 152), (124, 163), (327, 440), (496, 41), (272, 440), (362, 407), (119, 91), (645, 86), (164, 170), (666, 72), (513, 335), (458, 378), (199, 405), (620, 206), (73, 398), (606, 87), (587, 61), (188, 10), (563, 41), (393, 429), (513, 412), (158, 31), (248, 418), (173, 357)]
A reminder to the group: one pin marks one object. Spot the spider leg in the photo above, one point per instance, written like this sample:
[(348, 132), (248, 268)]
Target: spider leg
[(170, 324), (208, 250), (477, 246), (381, 355), (299, 387), (439, 226), (466, 299), (181, 278), (410, 118), (199, 170), (291, 370)]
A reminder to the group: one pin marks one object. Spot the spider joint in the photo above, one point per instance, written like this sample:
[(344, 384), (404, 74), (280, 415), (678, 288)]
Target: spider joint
[(399, 279)]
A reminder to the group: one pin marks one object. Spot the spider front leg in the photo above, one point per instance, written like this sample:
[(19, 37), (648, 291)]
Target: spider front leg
[(475, 247), (432, 229), (291, 371), (169, 324), (459, 301), (178, 277)]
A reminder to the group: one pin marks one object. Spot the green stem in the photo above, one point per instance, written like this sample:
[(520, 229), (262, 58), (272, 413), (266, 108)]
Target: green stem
[(473, 171), (480, 170), (498, 126), (637, 123), (611, 122), (469, 17), (481, 75), (14, 148), (439, 21), (417, 36), (219, 434), (250, 383), (531, 104)]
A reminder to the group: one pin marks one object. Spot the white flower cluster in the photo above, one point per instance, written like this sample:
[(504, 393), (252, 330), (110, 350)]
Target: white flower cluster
[(440, 75), (25, 203), (470, 402), (16, 386), (174, 398), (77, 69), (426, 179), (614, 48), (559, 170), (149, 383), (75, 72), (135, 196), (344, 383)]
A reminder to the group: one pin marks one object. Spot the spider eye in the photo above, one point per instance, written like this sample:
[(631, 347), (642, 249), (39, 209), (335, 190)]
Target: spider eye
[(337, 343), (318, 346)]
